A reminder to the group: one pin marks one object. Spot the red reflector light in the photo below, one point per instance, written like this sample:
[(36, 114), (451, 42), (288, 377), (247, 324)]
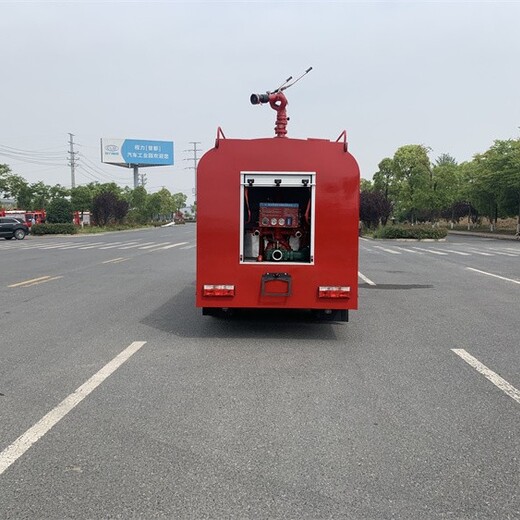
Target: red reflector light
[(218, 290), (333, 292)]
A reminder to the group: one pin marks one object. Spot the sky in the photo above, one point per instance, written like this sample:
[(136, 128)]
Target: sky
[(442, 74)]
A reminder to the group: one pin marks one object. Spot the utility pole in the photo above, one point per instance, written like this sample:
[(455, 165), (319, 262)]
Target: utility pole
[(195, 160), (72, 161), (143, 179)]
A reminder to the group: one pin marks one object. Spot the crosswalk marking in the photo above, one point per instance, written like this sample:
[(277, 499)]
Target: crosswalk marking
[(388, 250), (454, 252), (429, 251), (137, 245), (154, 245), (113, 245), (175, 245), (481, 253), (410, 250)]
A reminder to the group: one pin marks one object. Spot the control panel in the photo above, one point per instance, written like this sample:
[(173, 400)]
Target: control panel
[(278, 215)]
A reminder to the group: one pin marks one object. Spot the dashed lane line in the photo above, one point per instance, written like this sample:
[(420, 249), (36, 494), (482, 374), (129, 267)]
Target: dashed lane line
[(35, 281), (115, 260), (14, 451), (498, 381)]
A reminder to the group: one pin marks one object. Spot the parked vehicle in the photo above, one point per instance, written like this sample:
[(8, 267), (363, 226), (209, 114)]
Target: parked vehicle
[(12, 227), (29, 217)]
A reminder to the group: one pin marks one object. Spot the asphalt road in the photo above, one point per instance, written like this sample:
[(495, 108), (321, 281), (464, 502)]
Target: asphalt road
[(262, 415)]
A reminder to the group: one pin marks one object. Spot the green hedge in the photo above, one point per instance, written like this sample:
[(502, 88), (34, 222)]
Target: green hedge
[(54, 229), (414, 232)]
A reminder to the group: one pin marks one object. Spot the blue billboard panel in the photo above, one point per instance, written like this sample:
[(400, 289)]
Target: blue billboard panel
[(137, 151), (147, 152)]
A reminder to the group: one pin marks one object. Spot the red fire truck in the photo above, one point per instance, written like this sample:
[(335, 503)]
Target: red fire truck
[(39, 216), (277, 222)]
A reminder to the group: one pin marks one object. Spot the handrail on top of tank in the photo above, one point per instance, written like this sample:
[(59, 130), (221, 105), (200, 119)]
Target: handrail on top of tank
[(345, 144), (220, 134)]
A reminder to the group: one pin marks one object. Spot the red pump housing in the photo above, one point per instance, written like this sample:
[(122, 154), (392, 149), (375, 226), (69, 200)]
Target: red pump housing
[(277, 223)]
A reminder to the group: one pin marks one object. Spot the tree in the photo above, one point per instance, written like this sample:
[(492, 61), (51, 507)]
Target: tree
[(374, 208), (103, 208), (121, 207), (5, 171), (24, 197), (179, 201), (384, 178), (153, 206), (445, 184), (365, 185), (59, 211), (411, 167), (81, 198), (501, 174)]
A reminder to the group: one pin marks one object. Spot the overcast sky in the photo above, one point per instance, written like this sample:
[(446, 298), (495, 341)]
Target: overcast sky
[(442, 74)]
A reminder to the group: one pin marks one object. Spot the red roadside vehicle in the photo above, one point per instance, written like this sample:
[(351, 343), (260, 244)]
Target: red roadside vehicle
[(277, 222)]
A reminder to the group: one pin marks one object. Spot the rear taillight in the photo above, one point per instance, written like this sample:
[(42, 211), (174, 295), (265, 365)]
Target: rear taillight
[(333, 292), (218, 290)]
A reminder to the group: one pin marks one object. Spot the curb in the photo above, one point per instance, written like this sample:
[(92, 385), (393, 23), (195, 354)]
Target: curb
[(483, 235)]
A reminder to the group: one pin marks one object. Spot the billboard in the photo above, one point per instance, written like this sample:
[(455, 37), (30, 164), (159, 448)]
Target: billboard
[(136, 152)]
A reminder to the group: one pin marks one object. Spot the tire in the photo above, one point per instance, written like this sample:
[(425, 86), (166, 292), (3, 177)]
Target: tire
[(19, 234)]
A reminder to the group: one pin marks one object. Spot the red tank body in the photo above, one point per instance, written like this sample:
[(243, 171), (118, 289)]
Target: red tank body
[(277, 223)]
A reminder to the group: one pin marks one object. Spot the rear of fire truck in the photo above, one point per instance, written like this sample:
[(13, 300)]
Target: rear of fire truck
[(277, 222)]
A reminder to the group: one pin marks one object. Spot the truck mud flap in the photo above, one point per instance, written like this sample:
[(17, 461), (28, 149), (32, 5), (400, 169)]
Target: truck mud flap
[(276, 277)]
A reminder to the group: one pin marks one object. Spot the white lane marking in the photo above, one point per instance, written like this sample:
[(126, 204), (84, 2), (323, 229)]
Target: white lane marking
[(73, 246), (494, 275), (481, 253), (36, 281), (32, 280), (409, 250), (188, 247), (502, 253), (93, 245), (174, 245), (115, 260), (512, 249), (43, 246), (365, 279), (388, 250), (137, 245), (36, 432), (429, 251), (115, 244), (55, 246), (453, 251), (155, 245), (498, 381)]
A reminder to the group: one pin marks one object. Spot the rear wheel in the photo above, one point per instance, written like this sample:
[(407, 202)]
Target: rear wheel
[(19, 234)]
